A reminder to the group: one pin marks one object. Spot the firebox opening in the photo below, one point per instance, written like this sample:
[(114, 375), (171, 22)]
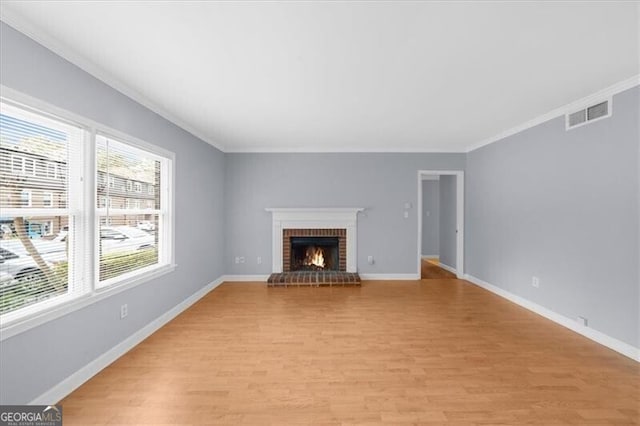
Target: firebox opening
[(314, 254)]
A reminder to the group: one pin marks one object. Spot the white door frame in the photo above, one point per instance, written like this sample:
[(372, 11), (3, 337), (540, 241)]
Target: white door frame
[(422, 174)]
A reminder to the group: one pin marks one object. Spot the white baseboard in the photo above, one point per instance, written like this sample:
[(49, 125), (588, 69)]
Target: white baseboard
[(71, 383), (388, 277), (448, 268), (245, 278), (597, 336), (430, 256)]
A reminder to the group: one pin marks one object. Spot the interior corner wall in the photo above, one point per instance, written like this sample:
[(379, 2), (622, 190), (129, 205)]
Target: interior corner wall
[(448, 221), (36, 360), (562, 206), (381, 183), (431, 218)]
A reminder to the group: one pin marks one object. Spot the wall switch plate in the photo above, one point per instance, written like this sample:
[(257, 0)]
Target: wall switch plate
[(237, 259), (535, 281), (406, 215), (124, 311), (241, 259), (259, 260), (370, 260)]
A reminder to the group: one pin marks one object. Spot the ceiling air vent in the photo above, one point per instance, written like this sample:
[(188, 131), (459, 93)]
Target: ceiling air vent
[(589, 114)]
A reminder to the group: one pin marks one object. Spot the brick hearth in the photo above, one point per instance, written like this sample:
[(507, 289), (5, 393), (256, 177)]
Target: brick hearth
[(314, 278)]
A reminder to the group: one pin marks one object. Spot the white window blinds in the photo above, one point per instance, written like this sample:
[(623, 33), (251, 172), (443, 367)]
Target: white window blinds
[(38, 210)]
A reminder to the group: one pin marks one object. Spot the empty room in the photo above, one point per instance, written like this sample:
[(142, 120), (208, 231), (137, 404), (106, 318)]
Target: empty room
[(319, 212)]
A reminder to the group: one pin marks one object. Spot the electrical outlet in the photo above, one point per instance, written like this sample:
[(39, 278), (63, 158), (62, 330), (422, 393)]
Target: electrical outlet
[(406, 215), (259, 260), (370, 260), (535, 281), (237, 259), (124, 311), (241, 259)]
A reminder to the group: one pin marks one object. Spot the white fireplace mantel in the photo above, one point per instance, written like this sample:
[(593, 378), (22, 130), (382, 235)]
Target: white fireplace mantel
[(315, 218)]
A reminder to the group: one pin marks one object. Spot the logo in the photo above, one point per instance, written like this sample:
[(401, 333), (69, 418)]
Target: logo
[(30, 415)]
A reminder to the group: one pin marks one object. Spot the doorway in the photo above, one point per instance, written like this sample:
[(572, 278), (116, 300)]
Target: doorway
[(451, 220)]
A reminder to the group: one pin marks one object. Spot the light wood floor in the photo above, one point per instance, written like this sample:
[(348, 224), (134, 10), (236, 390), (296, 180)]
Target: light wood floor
[(430, 270), (418, 352)]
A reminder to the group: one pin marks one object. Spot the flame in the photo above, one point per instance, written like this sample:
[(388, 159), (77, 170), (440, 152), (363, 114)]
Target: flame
[(314, 256)]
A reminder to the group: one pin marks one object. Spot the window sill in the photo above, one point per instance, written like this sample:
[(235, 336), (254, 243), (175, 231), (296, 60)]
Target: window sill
[(65, 307)]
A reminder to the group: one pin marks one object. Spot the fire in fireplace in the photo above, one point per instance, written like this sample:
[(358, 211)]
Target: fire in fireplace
[(314, 254)]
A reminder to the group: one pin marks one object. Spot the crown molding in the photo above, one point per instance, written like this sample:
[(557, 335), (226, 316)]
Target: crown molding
[(49, 42), (342, 149), (568, 108)]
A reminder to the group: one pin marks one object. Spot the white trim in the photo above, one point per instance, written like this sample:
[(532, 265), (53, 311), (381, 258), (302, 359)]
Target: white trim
[(245, 278), (341, 149), (389, 277), (573, 325), (459, 174), (558, 112), (314, 218), (60, 49), (430, 256), (448, 268), (75, 380)]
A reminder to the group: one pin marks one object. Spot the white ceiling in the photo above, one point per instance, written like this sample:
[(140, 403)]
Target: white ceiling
[(343, 76)]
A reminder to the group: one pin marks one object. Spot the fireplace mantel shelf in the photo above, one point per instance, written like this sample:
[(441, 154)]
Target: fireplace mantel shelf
[(318, 218)]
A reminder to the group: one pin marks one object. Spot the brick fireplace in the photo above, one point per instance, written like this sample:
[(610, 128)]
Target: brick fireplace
[(288, 223)]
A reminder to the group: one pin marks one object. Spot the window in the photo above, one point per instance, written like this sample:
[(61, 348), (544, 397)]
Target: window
[(25, 198), (150, 190), (129, 186), (94, 247), (132, 250), (29, 167), (47, 199), (17, 164), (51, 170)]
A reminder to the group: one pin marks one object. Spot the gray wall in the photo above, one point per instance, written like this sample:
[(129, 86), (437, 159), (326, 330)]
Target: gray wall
[(34, 361), (430, 217), (382, 183), (448, 221), (562, 206)]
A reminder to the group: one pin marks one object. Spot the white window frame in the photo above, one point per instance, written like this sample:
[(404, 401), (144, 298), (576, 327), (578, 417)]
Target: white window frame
[(51, 170), (46, 195), (129, 186), (29, 198), (33, 166), (17, 159), (137, 186), (84, 217)]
